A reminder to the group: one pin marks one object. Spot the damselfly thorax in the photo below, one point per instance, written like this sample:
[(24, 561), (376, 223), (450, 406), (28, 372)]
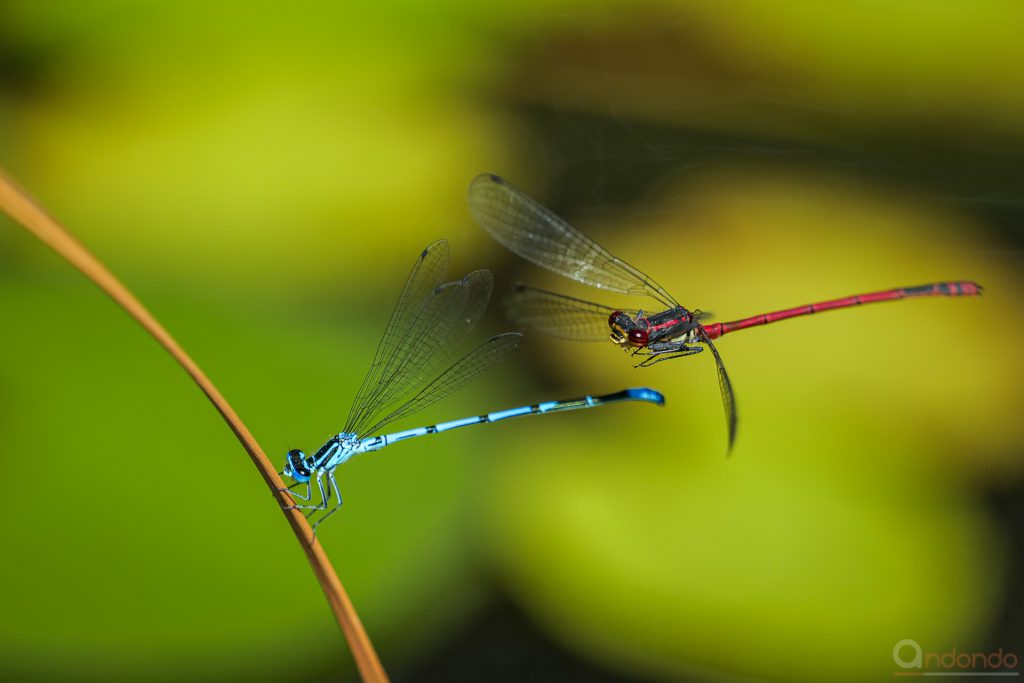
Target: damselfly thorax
[(672, 333), (637, 332)]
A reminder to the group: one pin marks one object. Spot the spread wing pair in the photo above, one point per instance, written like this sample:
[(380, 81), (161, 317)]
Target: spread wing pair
[(430, 321), (530, 230)]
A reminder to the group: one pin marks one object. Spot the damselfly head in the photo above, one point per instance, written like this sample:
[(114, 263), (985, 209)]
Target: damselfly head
[(296, 466), (627, 332)]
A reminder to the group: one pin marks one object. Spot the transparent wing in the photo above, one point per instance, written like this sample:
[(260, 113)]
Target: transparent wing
[(429, 272), (532, 231), (728, 398), (480, 359), (559, 315), (423, 345), (445, 321)]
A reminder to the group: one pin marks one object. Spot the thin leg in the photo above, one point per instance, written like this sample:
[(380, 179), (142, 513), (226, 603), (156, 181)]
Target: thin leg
[(288, 490), (672, 347), (295, 494), (334, 485), (324, 495), (657, 358), (666, 351), (322, 505)]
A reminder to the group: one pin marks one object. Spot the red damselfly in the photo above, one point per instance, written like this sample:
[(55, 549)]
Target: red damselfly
[(532, 231)]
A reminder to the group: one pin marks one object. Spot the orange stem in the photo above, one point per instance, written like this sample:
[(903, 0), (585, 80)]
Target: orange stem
[(19, 206)]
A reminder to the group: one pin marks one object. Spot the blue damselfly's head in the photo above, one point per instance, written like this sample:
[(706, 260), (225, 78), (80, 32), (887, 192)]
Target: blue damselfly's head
[(298, 466)]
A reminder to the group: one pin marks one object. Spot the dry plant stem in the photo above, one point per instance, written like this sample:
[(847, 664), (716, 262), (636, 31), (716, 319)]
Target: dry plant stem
[(19, 206)]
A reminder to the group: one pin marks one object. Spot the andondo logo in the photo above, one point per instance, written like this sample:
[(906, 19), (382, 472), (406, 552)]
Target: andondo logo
[(916, 661)]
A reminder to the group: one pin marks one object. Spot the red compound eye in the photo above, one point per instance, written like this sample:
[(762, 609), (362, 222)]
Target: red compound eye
[(638, 337), (613, 318)]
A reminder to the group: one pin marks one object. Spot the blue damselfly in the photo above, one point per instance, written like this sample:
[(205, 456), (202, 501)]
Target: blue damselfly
[(412, 369)]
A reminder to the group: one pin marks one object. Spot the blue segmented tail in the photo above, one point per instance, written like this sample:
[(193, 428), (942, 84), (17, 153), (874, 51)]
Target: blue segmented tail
[(643, 394)]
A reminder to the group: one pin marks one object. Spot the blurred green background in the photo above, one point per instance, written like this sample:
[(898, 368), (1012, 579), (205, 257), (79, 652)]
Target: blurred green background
[(263, 176)]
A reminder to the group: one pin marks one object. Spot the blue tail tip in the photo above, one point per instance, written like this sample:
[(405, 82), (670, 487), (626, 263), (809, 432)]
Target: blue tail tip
[(646, 394)]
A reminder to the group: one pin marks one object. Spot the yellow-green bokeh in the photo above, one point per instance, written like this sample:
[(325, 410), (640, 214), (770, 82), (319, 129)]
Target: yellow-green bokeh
[(263, 177)]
